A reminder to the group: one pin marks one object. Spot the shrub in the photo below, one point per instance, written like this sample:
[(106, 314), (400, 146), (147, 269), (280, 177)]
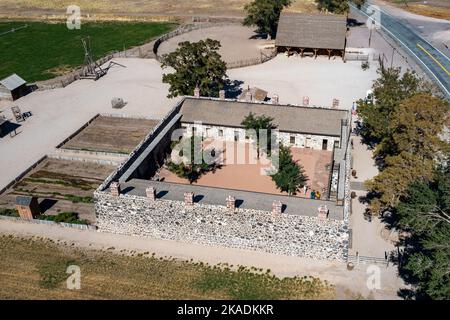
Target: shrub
[(67, 217), (9, 212)]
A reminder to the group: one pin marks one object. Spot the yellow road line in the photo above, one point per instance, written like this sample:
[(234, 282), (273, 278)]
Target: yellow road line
[(435, 60)]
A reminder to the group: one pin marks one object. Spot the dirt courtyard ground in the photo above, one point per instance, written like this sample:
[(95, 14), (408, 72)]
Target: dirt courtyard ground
[(111, 134), (60, 112), (242, 171), (61, 186), (236, 40)]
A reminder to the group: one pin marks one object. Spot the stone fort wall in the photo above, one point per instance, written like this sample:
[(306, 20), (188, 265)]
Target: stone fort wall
[(294, 235)]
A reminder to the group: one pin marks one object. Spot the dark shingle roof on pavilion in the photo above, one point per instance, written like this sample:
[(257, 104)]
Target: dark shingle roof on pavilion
[(316, 31)]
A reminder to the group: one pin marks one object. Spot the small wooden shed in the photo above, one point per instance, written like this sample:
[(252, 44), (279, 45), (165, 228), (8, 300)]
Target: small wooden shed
[(13, 87), (28, 207)]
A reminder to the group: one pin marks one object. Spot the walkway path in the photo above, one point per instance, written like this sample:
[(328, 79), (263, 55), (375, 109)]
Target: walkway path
[(367, 235)]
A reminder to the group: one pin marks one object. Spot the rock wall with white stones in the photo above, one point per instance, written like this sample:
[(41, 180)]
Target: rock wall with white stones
[(294, 235)]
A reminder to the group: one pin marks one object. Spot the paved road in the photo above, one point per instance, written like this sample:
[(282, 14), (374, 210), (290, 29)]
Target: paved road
[(433, 61)]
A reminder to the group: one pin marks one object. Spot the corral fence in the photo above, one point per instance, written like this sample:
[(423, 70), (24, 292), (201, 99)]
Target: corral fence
[(264, 57), (143, 51), (47, 222), (182, 30)]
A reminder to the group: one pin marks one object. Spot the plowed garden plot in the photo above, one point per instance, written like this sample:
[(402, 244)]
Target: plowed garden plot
[(61, 186), (111, 134)]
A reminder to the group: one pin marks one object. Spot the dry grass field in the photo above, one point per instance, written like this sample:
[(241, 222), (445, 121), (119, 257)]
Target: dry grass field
[(61, 186), (432, 8), (137, 8), (130, 275), (111, 134)]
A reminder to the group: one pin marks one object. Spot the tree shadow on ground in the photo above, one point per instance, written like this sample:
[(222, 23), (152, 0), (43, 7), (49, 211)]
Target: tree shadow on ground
[(233, 88), (351, 22)]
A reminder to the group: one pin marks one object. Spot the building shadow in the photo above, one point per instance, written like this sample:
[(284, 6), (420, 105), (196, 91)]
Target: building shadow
[(7, 128), (161, 194), (239, 203), (127, 190), (46, 205), (198, 198)]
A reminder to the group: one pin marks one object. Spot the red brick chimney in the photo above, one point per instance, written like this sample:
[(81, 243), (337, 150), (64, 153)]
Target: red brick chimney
[(151, 193), (188, 199), (231, 203), (277, 207), (114, 188), (197, 92)]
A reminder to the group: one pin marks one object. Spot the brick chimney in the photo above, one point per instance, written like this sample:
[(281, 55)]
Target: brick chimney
[(248, 96), (335, 103), (151, 193), (188, 199), (231, 203), (197, 92), (322, 212), (277, 207), (114, 188), (275, 99), (306, 101), (222, 94)]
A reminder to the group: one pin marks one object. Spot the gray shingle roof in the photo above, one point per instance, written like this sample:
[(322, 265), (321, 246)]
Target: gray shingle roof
[(316, 31), (23, 200), (227, 113), (257, 94), (12, 82)]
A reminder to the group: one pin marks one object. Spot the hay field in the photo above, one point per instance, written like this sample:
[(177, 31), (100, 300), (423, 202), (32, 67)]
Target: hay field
[(130, 275), (138, 8)]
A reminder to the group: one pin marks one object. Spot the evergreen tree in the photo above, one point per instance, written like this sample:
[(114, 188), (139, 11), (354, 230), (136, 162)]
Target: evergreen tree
[(291, 175)]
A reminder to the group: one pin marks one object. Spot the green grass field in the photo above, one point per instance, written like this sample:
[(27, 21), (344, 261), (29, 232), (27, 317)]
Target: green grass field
[(45, 50)]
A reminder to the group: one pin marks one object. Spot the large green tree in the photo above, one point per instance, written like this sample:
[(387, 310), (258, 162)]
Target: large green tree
[(337, 6), (425, 214), (257, 125), (290, 176), (196, 64), (416, 127), (412, 148), (389, 90), (265, 14)]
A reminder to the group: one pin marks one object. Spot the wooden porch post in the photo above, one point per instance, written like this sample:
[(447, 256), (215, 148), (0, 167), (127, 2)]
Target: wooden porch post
[(315, 53)]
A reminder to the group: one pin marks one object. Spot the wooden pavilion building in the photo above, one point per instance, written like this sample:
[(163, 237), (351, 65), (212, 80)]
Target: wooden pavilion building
[(312, 33)]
